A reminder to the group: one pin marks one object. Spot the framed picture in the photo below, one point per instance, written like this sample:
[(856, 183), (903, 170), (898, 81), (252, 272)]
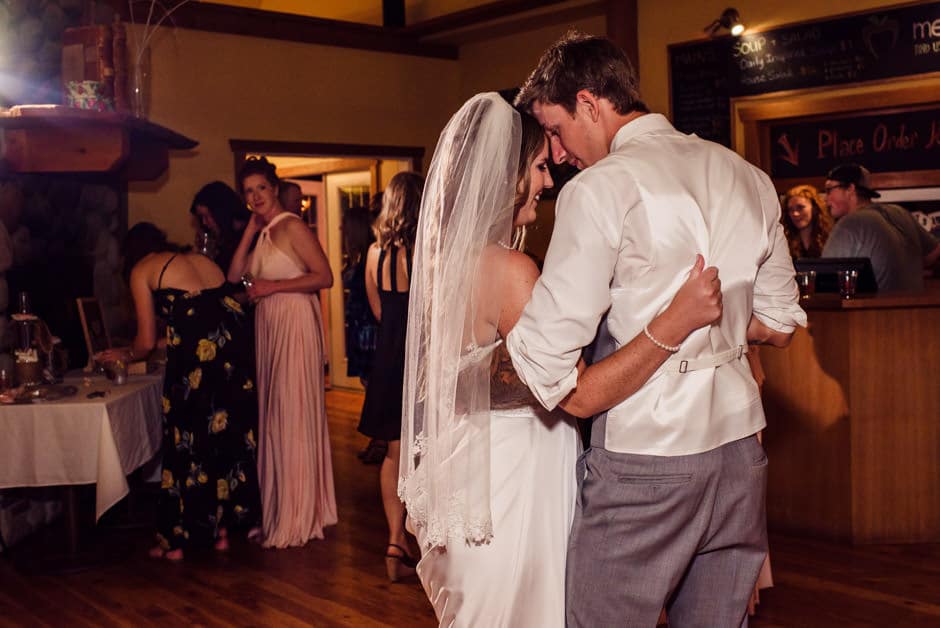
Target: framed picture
[(96, 332)]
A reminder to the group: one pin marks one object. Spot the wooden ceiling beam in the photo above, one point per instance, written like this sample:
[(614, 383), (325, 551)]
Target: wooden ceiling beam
[(218, 18), (474, 16)]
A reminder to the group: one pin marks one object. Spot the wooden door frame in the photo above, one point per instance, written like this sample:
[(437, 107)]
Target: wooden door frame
[(241, 148)]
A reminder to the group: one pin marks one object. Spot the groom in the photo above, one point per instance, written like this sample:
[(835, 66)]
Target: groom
[(671, 504)]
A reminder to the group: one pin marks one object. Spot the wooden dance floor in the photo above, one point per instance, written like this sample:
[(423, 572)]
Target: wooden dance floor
[(341, 581)]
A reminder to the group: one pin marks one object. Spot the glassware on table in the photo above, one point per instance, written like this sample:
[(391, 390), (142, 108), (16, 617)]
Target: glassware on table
[(25, 307), (116, 371), (6, 380), (848, 280), (806, 280)]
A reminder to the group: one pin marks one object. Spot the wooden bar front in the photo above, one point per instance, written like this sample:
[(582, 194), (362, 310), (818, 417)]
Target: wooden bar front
[(853, 421)]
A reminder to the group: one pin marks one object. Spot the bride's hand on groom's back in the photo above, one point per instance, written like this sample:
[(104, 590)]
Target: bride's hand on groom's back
[(698, 301)]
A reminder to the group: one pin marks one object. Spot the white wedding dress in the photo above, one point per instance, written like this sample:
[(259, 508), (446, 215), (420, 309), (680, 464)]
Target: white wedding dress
[(517, 579)]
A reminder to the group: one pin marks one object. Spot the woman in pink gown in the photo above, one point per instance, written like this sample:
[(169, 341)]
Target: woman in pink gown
[(288, 267)]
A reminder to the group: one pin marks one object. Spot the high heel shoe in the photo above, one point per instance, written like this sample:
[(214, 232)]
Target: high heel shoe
[(399, 566)]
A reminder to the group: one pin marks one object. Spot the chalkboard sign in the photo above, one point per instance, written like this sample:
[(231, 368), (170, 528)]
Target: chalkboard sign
[(861, 47), (909, 140)]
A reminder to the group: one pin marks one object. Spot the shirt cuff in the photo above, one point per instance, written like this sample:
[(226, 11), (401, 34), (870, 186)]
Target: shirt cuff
[(548, 388), (783, 321)]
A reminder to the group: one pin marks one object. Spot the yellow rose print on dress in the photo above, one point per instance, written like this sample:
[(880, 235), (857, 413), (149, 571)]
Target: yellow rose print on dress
[(206, 350), (219, 421), (249, 385), (250, 439), (167, 479), (221, 489), (176, 434), (195, 378), (190, 312), (203, 478), (232, 305), (166, 405)]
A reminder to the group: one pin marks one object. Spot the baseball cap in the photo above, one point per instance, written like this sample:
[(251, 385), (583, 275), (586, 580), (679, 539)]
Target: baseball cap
[(853, 174)]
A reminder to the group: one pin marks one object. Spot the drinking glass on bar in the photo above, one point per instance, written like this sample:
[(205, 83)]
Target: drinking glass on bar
[(848, 279), (806, 280)]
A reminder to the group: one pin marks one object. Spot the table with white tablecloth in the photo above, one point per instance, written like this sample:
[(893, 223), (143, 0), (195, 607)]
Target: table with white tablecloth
[(78, 440)]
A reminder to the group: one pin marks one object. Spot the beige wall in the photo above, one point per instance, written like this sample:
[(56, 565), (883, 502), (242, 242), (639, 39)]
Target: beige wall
[(505, 62), (215, 87), (686, 19)]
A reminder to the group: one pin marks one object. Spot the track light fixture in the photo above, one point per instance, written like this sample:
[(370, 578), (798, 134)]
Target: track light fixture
[(729, 19)]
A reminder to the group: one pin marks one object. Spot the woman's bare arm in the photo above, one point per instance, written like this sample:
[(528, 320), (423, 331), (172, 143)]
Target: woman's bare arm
[(305, 246)]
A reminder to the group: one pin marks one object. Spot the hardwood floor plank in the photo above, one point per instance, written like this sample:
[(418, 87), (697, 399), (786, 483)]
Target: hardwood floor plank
[(340, 580)]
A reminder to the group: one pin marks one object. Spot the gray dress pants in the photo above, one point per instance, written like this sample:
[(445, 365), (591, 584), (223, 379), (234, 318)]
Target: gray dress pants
[(685, 532)]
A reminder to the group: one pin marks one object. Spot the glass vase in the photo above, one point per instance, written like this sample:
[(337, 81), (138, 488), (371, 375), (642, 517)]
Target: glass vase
[(140, 85)]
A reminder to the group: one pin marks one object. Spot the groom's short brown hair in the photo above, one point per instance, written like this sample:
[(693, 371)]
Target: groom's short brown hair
[(578, 61)]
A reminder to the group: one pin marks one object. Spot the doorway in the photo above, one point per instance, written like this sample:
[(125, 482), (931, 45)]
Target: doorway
[(333, 178)]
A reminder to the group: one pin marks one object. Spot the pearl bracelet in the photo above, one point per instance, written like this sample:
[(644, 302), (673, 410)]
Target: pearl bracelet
[(664, 347)]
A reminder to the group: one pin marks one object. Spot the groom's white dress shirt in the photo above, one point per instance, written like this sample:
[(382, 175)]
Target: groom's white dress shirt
[(626, 233)]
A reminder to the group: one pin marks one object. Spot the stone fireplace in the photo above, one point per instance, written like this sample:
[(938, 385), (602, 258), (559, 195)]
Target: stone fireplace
[(60, 237)]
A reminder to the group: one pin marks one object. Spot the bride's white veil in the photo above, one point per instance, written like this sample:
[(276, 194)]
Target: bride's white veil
[(466, 211)]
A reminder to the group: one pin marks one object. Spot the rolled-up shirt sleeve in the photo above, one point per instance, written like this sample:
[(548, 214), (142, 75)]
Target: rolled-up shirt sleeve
[(776, 295), (572, 294)]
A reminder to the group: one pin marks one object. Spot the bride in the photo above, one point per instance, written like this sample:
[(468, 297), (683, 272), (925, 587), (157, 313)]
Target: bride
[(487, 475)]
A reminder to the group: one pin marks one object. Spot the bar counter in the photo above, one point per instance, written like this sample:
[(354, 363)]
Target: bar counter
[(853, 420)]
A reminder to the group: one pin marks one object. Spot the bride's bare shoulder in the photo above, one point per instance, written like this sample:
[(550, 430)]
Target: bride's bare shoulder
[(508, 273), (521, 268)]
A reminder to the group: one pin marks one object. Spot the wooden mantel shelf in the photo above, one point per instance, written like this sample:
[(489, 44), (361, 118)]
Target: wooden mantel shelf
[(59, 139)]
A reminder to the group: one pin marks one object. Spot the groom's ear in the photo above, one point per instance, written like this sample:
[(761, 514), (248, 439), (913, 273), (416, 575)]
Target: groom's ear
[(588, 104)]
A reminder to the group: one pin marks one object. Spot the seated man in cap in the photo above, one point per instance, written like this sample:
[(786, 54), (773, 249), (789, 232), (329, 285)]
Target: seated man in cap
[(899, 248)]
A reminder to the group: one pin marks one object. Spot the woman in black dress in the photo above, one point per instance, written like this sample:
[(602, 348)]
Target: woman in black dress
[(388, 272), (210, 408)]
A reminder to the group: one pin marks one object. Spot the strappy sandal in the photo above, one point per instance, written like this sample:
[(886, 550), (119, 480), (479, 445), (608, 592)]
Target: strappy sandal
[(399, 566)]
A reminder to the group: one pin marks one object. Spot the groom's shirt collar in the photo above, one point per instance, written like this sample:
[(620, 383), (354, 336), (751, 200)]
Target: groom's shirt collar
[(643, 125)]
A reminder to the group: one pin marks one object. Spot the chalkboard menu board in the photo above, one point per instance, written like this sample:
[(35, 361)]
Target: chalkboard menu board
[(908, 140), (862, 47)]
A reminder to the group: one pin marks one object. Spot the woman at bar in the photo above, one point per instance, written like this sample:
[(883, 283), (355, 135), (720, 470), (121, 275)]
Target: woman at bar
[(209, 480), (289, 267), (806, 221)]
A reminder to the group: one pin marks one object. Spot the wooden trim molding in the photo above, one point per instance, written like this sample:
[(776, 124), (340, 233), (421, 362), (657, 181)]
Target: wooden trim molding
[(475, 16), (622, 20), (218, 18), (325, 149), (752, 117)]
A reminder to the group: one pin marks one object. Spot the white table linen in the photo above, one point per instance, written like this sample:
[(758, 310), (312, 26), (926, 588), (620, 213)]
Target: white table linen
[(83, 441)]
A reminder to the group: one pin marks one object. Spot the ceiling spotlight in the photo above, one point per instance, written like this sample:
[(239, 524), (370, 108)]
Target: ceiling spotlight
[(730, 19)]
